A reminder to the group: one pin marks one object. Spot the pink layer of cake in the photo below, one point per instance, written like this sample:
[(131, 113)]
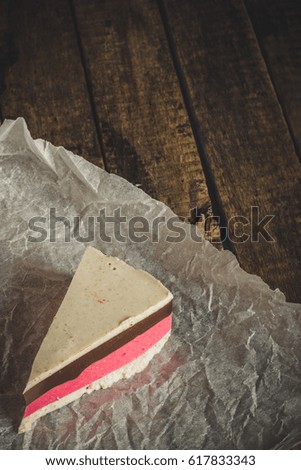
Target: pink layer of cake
[(99, 369)]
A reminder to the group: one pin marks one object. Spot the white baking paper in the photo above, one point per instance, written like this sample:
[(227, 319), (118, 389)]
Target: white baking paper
[(229, 377)]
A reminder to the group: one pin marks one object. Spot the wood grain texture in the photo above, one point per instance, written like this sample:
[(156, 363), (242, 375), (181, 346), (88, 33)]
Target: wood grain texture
[(146, 132), (7, 52), (42, 78), (246, 141), (277, 24)]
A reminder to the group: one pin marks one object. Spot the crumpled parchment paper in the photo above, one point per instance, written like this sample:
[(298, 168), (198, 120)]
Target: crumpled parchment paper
[(229, 377)]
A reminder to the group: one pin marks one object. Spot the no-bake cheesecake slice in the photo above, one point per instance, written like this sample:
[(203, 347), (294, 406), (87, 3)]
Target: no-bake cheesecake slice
[(112, 321)]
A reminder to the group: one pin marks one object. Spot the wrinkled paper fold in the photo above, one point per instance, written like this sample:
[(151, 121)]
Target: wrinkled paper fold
[(229, 377)]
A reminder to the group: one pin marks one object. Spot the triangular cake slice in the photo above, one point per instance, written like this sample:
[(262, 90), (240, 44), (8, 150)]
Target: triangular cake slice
[(112, 321)]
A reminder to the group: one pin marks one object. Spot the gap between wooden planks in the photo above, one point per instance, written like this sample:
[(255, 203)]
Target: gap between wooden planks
[(246, 142), (277, 24), (98, 78), (246, 162), (42, 76), (147, 137)]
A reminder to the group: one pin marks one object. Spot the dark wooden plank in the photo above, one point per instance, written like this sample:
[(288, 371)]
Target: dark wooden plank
[(247, 146), (146, 131), (7, 53), (277, 24), (42, 78)]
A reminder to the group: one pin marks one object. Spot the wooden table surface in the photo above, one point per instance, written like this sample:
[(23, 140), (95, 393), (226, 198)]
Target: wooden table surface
[(198, 101)]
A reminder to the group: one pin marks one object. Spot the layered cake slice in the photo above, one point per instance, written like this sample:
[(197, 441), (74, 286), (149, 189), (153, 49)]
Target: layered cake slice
[(112, 321)]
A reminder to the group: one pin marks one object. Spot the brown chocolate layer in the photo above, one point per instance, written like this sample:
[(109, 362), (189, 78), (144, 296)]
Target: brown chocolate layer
[(72, 370)]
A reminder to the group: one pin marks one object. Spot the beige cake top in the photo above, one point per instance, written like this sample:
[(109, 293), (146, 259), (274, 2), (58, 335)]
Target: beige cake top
[(106, 296)]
